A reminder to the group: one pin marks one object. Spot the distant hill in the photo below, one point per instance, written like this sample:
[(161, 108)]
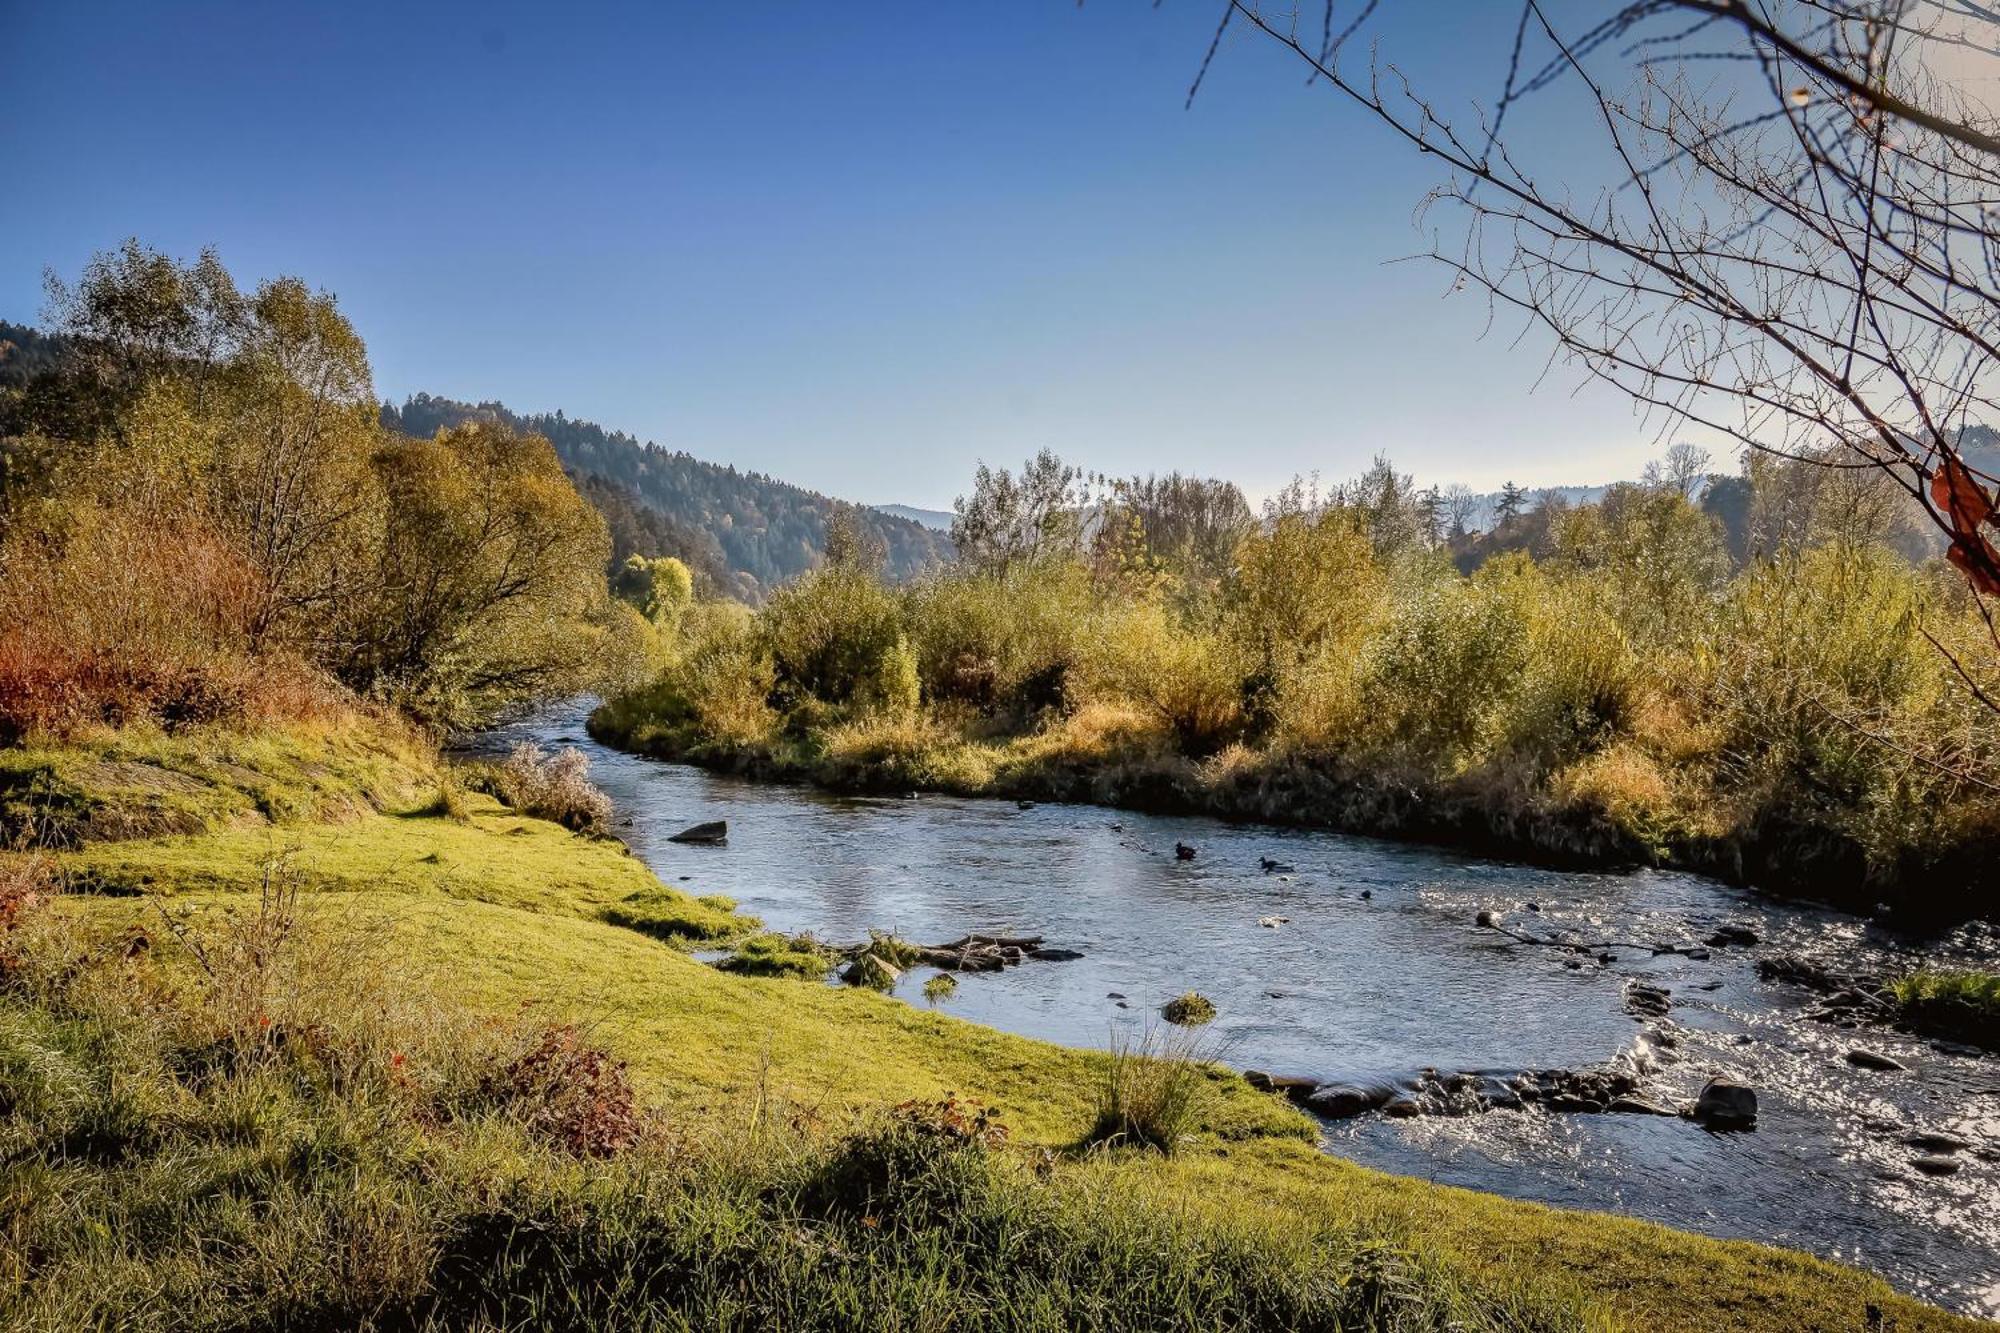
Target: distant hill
[(764, 531), (937, 520)]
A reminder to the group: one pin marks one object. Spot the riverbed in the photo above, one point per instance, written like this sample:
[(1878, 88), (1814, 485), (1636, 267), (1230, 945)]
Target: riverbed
[(1377, 971)]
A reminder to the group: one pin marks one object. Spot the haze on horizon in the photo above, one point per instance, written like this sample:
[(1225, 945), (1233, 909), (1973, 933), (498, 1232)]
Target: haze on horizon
[(857, 251)]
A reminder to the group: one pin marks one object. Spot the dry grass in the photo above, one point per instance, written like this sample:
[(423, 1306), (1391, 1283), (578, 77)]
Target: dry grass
[(555, 787)]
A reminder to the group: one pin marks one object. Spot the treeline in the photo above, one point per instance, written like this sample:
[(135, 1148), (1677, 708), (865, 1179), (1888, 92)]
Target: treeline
[(1624, 692), (747, 532), (203, 519)]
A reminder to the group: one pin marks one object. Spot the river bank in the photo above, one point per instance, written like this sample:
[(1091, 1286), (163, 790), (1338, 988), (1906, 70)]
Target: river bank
[(510, 912), (1380, 971), (1478, 816)]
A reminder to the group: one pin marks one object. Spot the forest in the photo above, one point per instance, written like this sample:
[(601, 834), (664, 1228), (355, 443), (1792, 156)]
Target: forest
[(746, 533)]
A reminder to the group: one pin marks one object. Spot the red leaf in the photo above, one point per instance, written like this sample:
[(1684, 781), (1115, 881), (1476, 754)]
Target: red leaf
[(1966, 509)]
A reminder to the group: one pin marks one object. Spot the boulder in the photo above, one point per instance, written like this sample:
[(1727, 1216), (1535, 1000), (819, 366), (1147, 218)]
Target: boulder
[(1401, 1107), (1644, 1001), (1863, 1058), (714, 833), (1937, 1165), (1341, 1101), (1294, 1086), (869, 969), (1054, 955), (1726, 1104)]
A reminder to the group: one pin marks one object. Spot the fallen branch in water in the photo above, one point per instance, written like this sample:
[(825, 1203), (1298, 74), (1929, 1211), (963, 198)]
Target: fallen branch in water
[(968, 953)]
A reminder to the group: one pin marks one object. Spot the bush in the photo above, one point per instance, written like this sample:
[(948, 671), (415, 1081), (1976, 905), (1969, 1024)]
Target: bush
[(568, 1093), (835, 636), (1439, 674), (555, 787), (1189, 679), (1004, 645)]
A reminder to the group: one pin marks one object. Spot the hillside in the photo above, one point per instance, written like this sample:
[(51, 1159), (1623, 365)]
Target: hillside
[(937, 520), (766, 530)]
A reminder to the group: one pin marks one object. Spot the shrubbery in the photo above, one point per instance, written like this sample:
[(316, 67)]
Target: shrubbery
[(202, 520), (1623, 695)]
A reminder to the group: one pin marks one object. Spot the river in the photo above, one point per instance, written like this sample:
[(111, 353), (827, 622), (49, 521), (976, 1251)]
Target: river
[(1379, 971)]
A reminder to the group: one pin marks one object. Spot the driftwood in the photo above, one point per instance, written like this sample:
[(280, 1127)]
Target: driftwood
[(1487, 921), (973, 953)]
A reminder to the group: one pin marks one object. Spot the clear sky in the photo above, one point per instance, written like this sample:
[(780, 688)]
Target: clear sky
[(858, 246)]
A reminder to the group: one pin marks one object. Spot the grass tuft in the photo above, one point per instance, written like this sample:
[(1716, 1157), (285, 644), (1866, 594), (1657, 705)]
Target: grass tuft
[(1152, 1093), (1190, 1010)]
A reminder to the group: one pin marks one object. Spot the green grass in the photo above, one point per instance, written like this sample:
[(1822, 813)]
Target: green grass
[(159, 1181), (142, 782), (1951, 1002), (796, 956)]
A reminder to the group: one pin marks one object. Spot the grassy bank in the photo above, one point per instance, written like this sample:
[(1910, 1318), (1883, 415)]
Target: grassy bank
[(1106, 755), (1957, 1003), (408, 1069)]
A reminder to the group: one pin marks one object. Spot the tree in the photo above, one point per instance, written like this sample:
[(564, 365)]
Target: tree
[(660, 588), (488, 575), (1785, 239), (1008, 521), (851, 543), (1513, 501), (1189, 525), (1684, 469), (1460, 504)]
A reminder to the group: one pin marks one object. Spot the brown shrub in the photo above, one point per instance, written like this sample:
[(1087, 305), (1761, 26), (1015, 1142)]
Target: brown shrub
[(569, 1093)]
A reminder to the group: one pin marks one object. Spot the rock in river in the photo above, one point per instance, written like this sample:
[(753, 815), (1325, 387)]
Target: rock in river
[(1644, 1001), (1342, 1101), (1726, 1104), (1937, 1165), (712, 834), (1863, 1058), (1727, 935)]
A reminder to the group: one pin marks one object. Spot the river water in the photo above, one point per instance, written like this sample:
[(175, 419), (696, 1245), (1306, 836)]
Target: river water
[(1378, 972)]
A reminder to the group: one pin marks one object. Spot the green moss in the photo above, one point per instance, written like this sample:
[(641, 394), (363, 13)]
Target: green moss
[(1190, 1010)]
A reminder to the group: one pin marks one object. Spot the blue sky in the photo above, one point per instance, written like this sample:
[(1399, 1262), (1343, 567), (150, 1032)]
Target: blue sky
[(857, 246)]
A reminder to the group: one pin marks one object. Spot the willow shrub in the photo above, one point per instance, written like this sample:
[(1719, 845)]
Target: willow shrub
[(1440, 673), (832, 637), (1825, 687), (1005, 645), (1189, 678)]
